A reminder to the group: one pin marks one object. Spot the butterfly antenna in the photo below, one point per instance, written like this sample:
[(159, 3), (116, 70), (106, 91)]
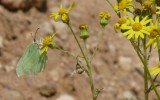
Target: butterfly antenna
[(35, 35)]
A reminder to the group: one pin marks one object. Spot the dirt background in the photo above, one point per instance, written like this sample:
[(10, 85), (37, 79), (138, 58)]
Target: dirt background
[(116, 68)]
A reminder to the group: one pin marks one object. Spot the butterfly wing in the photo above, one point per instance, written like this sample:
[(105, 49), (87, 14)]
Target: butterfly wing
[(31, 62), (42, 61)]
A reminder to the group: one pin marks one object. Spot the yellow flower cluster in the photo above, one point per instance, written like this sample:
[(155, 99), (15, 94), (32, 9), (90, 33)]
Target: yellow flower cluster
[(139, 23)]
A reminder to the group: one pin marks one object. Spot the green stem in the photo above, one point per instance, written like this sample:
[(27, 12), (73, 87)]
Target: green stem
[(150, 88), (157, 85), (137, 51), (67, 52), (152, 83), (159, 51), (147, 72), (118, 14), (150, 50), (89, 72), (145, 69), (85, 46), (98, 43)]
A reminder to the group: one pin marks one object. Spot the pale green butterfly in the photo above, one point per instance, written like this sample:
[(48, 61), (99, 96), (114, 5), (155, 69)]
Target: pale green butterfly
[(31, 62)]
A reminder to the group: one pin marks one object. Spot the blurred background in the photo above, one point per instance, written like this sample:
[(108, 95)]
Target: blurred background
[(116, 68)]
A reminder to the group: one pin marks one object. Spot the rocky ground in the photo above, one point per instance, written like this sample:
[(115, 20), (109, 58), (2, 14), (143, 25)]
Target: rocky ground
[(116, 68)]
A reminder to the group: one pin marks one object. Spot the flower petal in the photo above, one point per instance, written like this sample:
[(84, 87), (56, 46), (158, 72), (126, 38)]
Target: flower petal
[(71, 7), (44, 49), (149, 42), (137, 19)]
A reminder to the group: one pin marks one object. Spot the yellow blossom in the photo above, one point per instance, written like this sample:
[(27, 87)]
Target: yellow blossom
[(123, 5), (147, 5), (47, 42), (83, 26), (152, 1), (155, 70), (136, 28), (120, 22), (158, 8), (63, 13), (105, 14), (154, 36)]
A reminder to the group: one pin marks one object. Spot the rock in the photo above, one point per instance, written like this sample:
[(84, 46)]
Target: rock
[(13, 5), (10, 95), (1, 65), (46, 28), (1, 42), (48, 90), (135, 87), (65, 97), (54, 74), (112, 48), (112, 90), (128, 95), (125, 63)]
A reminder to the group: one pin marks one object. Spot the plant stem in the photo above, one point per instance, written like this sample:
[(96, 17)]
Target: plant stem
[(99, 41), (145, 69), (149, 89), (118, 14), (67, 52), (89, 72), (86, 49), (137, 51), (147, 72), (152, 83)]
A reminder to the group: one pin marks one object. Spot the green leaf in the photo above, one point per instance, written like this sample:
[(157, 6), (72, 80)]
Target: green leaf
[(31, 62)]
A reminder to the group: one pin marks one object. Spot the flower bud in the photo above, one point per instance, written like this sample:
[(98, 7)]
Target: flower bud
[(52, 46), (147, 5), (104, 17), (137, 11), (84, 34), (65, 18), (103, 22)]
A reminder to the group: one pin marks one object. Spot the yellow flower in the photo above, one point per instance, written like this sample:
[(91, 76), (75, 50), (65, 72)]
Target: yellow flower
[(136, 28), (83, 26), (123, 5), (105, 14), (152, 0), (120, 22), (63, 13), (147, 5), (47, 42), (155, 70), (158, 8), (154, 36)]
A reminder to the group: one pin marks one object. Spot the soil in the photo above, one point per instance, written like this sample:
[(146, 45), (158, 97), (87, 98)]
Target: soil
[(116, 67)]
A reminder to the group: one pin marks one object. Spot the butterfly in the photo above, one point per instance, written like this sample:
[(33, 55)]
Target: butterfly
[(32, 62)]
